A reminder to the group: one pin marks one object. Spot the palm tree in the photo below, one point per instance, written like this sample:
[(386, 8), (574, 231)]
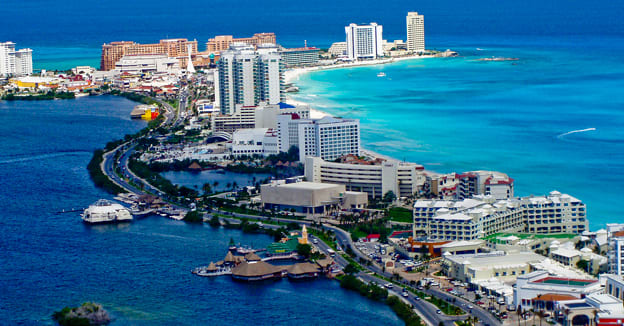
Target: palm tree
[(541, 314), (206, 188), (215, 184), (519, 312)]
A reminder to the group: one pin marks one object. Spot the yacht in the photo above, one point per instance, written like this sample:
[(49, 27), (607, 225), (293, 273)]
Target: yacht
[(381, 74), (105, 211)]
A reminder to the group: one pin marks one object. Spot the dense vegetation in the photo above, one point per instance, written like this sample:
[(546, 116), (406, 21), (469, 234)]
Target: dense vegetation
[(374, 292), (50, 95), (99, 178), (194, 217), (135, 97)]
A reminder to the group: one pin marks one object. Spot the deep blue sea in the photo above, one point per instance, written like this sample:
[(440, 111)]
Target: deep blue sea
[(449, 114), (139, 271)]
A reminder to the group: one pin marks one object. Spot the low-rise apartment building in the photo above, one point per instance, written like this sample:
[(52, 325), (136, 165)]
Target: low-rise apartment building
[(481, 216)]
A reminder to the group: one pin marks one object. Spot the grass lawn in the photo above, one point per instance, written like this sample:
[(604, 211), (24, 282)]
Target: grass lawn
[(400, 214), (493, 237)]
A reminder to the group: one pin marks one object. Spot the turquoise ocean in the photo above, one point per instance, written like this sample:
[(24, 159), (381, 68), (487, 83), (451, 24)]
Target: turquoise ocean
[(552, 120)]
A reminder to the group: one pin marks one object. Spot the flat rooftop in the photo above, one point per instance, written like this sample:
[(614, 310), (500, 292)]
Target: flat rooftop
[(306, 185), (565, 281)]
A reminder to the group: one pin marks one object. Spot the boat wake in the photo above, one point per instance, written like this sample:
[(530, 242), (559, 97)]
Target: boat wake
[(575, 131), (41, 157)]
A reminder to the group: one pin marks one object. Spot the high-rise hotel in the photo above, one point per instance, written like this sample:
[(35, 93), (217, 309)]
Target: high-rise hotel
[(15, 63), (246, 77), (364, 41), (415, 32)]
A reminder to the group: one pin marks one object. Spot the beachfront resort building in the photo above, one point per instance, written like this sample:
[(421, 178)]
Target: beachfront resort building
[(540, 290), (480, 216), (328, 138), (297, 57), (247, 77), (222, 42), (257, 141), (375, 178), (310, 197), (615, 236), (338, 49), (496, 184), (364, 41), (147, 64), (15, 62), (415, 32), (174, 48)]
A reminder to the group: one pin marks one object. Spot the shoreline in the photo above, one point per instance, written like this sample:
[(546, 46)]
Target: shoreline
[(292, 76)]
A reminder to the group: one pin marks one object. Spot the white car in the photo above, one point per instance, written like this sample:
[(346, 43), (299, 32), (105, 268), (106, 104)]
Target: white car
[(389, 285)]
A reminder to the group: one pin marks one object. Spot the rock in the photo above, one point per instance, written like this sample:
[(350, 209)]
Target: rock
[(88, 313)]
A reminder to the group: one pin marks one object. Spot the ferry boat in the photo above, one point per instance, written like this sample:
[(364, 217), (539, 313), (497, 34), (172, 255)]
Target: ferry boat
[(381, 74), (105, 211), (212, 270)]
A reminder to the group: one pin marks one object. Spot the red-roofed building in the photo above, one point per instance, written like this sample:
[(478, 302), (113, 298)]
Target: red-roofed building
[(374, 237)]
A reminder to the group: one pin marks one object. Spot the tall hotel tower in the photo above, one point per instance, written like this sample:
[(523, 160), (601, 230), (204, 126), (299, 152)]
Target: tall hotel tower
[(15, 62), (415, 32), (364, 41), (247, 77)]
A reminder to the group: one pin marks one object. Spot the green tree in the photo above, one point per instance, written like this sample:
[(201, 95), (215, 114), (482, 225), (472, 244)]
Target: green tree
[(214, 221), (193, 217), (351, 269), (304, 250), (389, 197), (206, 189)]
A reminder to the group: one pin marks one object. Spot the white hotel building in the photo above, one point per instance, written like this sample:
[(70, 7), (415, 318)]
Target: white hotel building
[(404, 179), (415, 32), (328, 138), (257, 141), (480, 216), (364, 41), (615, 236), (15, 63), (247, 77)]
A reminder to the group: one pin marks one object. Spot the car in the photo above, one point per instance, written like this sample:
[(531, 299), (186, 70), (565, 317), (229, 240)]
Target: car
[(470, 307), (405, 294), (480, 303), (315, 241), (438, 311), (449, 290), (389, 285), (504, 315), (417, 298)]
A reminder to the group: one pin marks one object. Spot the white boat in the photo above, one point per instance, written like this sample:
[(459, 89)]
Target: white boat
[(81, 94), (381, 74), (105, 211)]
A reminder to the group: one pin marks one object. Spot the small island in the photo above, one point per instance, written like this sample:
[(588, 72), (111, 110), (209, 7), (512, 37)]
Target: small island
[(89, 313)]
